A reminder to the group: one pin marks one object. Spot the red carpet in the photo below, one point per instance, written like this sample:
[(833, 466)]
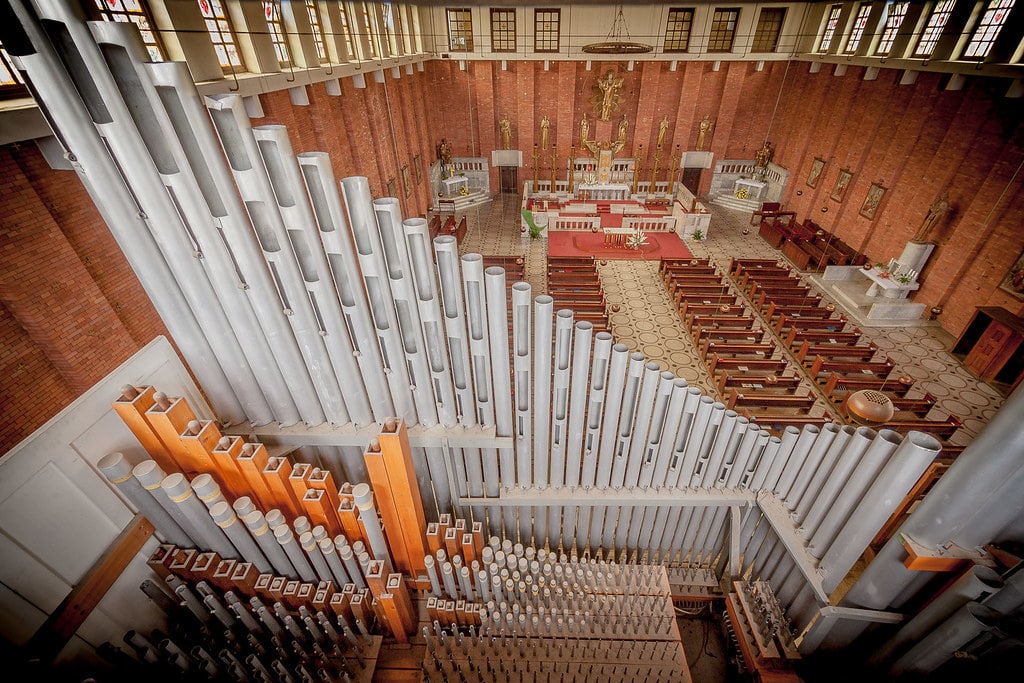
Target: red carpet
[(579, 243)]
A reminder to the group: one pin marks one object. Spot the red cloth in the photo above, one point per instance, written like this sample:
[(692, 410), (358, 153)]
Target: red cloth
[(581, 243)]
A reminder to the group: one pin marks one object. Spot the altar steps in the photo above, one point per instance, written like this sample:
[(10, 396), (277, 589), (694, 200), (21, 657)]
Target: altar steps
[(730, 201)]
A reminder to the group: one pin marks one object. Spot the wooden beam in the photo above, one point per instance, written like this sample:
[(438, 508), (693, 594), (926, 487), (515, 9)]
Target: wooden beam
[(62, 624)]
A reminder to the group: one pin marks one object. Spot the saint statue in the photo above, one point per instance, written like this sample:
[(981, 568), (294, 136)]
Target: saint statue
[(545, 126), (505, 126), (623, 127), (609, 84), (662, 129), (584, 130), (936, 212), (763, 155), (706, 126), (444, 151)]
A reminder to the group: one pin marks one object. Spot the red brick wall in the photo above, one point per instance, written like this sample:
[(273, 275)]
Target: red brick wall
[(72, 310), (917, 140)]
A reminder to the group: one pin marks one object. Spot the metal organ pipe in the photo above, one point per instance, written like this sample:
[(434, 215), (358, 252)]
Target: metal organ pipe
[(452, 308), (578, 402), (824, 471), (497, 335), (118, 471), (406, 305), (810, 465), (639, 425), (542, 338), (177, 488), (847, 462), (239, 536), (334, 234), (523, 376), (417, 239), (257, 525), (561, 395), (72, 119)]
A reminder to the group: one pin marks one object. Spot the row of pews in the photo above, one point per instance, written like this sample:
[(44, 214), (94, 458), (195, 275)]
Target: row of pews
[(574, 283), (751, 372), (806, 245), (835, 356), (447, 225)]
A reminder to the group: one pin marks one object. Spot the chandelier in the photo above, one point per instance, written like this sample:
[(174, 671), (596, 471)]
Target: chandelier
[(618, 42)]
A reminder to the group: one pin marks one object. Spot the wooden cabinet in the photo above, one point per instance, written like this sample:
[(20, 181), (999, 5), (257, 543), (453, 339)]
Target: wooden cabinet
[(991, 346)]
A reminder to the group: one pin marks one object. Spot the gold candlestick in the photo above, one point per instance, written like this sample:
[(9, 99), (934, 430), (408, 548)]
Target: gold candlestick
[(638, 167)]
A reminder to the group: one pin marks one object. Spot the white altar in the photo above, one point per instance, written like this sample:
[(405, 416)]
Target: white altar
[(604, 191), (890, 288), (454, 184), (755, 188)]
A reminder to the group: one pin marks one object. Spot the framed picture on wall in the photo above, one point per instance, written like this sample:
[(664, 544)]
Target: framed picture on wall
[(405, 180), (842, 182), (1014, 280), (872, 200), (418, 168), (392, 188), (817, 166)]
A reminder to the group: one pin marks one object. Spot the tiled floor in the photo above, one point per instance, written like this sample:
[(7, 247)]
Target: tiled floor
[(646, 320)]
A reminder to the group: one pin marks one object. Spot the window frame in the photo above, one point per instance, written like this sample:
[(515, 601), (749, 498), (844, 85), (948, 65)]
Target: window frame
[(460, 25), (225, 18), (932, 31), (317, 30), (719, 17), (546, 32), (500, 16), (890, 30), (101, 9), (674, 36), (988, 42), (278, 36), (831, 26), (17, 87), (860, 22), (762, 27)]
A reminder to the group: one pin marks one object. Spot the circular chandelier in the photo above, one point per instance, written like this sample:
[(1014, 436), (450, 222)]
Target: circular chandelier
[(618, 41)]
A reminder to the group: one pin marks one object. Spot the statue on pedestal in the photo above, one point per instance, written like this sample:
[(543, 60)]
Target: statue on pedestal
[(505, 126), (584, 130), (662, 129), (609, 86), (936, 212), (763, 155), (706, 126), (545, 126)]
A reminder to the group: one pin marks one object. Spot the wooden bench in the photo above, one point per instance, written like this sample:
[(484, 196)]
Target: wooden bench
[(822, 365), (797, 335), (736, 350), (754, 381), (717, 364), (808, 309), (837, 385), (667, 262), (687, 269), (760, 399), (785, 322), (768, 276), (750, 335), (855, 351), (918, 406), (939, 428), (734, 322), (702, 293), (736, 264)]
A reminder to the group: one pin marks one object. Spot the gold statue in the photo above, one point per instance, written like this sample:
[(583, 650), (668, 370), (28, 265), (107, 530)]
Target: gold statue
[(936, 212), (545, 125), (505, 126), (662, 129), (763, 155), (623, 127), (609, 85), (584, 130), (706, 126)]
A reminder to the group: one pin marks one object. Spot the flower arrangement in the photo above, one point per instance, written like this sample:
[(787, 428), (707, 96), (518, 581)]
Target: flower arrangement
[(742, 193), (637, 239), (464, 191), (697, 235), (904, 279)]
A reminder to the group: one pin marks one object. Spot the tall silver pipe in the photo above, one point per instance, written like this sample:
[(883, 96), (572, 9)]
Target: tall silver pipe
[(848, 460), (257, 525), (407, 310), (733, 470), (790, 437), (610, 422), (561, 398), (795, 462), (239, 536), (363, 223), (118, 471), (938, 647), (543, 332), (434, 456), (595, 408), (158, 109), (872, 462), (636, 372), (446, 251), (72, 119), (522, 371), (286, 537), (978, 493), (177, 489), (701, 431), (578, 402), (824, 471), (665, 419), (638, 447), (479, 348), (336, 238), (417, 239), (363, 499), (316, 558), (300, 224), (253, 183), (891, 485), (727, 441), (497, 334), (814, 460)]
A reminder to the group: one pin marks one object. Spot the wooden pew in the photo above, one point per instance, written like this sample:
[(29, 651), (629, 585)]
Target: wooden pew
[(716, 301), (713, 333), (837, 385), (784, 322), (713, 309), (833, 351), (797, 335), (938, 428), (808, 310), (822, 365), (717, 364), (760, 399), (742, 322), (736, 264), (753, 381), (736, 350)]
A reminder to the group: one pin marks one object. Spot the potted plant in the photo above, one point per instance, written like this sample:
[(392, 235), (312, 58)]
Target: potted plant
[(697, 235), (904, 279)]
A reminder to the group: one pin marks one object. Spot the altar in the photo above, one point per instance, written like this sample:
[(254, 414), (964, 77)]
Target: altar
[(755, 188), (889, 288), (602, 191), (453, 185)]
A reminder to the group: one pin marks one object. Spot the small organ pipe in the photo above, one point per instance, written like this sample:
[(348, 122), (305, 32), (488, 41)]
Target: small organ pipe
[(371, 523), (286, 538), (116, 468), (178, 490), (207, 490), (316, 558), (261, 532), (239, 536), (348, 559)]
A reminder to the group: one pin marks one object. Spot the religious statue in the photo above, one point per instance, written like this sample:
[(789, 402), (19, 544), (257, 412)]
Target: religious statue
[(609, 85), (623, 127), (763, 155), (545, 126), (936, 212), (584, 130), (706, 126), (444, 151), (662, 129), (505, 126)]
